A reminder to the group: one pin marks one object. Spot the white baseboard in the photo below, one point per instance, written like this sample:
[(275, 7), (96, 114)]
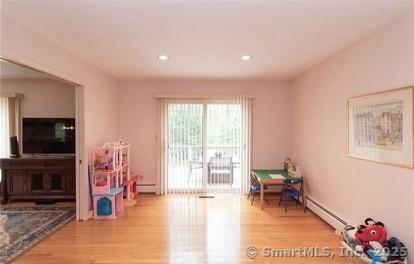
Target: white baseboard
[(325, 214), (147, 188)]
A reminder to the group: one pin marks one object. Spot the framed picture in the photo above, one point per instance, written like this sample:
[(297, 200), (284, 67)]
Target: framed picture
[(381, 127)]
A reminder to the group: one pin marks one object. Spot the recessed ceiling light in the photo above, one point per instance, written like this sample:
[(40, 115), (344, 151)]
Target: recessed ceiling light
[(245, 57), (163, 57)]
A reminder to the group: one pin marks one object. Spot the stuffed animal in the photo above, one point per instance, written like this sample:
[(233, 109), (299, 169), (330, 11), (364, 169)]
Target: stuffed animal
[(348, 235), (287, 163), (291, 168), (371, 239), (371, 231), (379, 251), (374, 257), (396, 249)]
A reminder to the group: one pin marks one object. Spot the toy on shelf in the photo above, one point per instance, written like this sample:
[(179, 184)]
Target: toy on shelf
[(111, 174)]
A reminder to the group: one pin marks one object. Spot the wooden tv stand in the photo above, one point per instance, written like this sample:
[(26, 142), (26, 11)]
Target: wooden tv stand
[(35, 178)]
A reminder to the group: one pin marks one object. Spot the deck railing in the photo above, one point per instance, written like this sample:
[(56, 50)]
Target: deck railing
[(182, 154), (185, 168)]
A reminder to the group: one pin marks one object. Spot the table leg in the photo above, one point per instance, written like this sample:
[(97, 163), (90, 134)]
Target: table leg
[(261, 195)]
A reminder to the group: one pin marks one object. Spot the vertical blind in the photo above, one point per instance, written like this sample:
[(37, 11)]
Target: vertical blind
[(204, 145), (185, 136)]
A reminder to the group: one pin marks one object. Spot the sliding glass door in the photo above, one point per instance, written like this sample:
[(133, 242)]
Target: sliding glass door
[(185, 147), (204, 147), (223, 146)]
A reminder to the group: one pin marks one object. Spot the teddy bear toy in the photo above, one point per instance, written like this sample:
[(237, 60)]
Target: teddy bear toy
[(371, 231)]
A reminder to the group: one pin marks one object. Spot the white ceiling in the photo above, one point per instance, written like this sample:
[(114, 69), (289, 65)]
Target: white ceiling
[(10, 70), (205, 39)]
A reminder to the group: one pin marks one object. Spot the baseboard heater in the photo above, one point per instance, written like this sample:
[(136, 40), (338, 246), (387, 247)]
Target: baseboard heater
[(325, 214), (147, 188)]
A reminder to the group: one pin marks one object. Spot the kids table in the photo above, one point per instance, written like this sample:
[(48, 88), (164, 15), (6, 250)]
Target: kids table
[(269, 177)]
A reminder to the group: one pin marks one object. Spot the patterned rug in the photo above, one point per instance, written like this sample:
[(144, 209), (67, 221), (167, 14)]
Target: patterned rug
[(22, 227)]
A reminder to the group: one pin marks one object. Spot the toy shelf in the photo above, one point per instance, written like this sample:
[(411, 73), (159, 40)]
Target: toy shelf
[(111, 178), (105, 181)]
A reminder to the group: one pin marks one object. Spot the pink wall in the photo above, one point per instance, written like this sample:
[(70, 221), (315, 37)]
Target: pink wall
[(354, 188), (271, 118), (56, 98), (27, 46), (20, 43)]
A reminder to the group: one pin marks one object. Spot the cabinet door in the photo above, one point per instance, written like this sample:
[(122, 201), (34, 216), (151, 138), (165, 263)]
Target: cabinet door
[(18, 182), (38, 181), (57, 181)]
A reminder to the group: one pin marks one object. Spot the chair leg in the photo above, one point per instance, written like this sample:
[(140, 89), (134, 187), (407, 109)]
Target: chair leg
[(266, 200), (286, 201), (248, 196), (303, 204), (254, 194), (280, 200)]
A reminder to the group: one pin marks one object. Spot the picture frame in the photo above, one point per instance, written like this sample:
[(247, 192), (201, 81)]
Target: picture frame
[(381, 127)]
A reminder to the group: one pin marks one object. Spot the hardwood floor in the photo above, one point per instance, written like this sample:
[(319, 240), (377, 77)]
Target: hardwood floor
[(186, 229)]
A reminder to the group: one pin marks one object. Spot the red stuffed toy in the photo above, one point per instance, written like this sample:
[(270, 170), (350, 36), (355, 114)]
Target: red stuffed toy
[(374, 231)]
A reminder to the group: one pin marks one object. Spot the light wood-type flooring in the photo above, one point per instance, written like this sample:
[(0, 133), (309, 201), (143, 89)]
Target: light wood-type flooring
[(187, 229)]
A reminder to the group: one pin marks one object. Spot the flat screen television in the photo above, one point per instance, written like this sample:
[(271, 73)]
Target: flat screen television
[(48, 136)]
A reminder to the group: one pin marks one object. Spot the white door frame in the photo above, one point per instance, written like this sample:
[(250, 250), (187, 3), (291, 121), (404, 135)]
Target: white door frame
[(82, 183), (82, 190)]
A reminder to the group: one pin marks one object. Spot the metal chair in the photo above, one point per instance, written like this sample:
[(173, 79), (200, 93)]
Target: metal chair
[(220, 170), (194, 165), (255, 189), (292, 190)]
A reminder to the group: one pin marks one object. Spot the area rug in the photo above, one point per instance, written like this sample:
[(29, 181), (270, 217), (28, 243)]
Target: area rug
[(22, 227)]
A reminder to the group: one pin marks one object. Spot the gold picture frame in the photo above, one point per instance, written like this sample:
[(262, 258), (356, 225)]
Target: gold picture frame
[(380, 127)]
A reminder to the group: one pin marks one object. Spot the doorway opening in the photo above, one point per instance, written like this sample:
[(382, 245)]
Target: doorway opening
[(34, 97)]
